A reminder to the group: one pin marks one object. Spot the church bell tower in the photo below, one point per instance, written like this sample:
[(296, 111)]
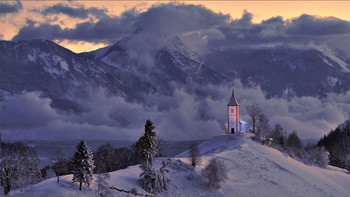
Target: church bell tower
[(232, 125)]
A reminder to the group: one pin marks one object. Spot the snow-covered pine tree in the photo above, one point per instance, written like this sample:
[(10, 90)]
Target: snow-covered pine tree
[(146, 146), (83, 164), (152, 180), (155, 181)]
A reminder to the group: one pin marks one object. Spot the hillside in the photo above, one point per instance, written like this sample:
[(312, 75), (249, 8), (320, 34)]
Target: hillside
[(255, 170)]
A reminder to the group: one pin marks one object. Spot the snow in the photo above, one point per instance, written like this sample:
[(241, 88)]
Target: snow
[(340, 62), (255, 170), (54, 64)]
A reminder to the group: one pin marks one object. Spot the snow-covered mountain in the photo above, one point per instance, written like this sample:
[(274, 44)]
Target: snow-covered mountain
[(283, 70), (41, 65), (125, 69), (254, 170), (158, 63)]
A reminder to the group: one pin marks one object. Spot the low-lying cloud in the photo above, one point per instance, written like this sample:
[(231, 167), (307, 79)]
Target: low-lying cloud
[(183, 116)]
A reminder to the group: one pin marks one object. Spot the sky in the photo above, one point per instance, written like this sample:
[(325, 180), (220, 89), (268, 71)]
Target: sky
[(16, 15), (201, 25)]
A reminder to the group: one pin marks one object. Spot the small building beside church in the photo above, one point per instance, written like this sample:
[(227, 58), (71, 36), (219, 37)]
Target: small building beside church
[(234, 125)]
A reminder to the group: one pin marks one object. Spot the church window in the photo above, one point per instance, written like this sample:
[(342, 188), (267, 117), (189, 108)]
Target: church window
[(232, 110)]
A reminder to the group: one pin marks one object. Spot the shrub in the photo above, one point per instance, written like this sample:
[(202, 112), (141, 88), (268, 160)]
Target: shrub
[(214, 173)]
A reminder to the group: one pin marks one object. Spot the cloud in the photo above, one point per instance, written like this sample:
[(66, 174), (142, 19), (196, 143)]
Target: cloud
[(26, 111), (6, 8), (179, 18), (181, 116), (106, 30), (74, 12), (315, 26), (200, 28), (169, 18)]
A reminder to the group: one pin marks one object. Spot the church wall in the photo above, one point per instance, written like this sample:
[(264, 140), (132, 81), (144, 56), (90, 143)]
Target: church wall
[(233, 118)]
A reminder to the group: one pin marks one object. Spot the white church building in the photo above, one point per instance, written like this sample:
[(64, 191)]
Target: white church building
[(234, 125)]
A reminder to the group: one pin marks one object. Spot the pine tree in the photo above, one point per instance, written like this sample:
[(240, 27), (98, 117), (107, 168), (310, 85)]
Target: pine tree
[(146, 146), (83, 164)]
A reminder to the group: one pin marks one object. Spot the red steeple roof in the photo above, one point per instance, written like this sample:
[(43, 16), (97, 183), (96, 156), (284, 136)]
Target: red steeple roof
[(233, 101)]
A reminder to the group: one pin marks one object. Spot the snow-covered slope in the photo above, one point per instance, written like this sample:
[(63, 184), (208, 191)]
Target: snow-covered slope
[(254, 170)]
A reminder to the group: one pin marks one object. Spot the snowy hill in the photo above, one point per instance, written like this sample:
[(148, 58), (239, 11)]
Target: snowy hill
[(255, 170)]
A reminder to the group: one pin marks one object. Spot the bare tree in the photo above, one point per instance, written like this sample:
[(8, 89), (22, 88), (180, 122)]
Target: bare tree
[(61, 167), (254, 112), (18, 166), (214, 173), (263, 127), (102, 184)]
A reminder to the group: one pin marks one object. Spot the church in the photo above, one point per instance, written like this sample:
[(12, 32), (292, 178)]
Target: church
[(234, 125)]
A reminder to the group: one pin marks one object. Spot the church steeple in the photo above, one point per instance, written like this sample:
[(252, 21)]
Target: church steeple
[(233, 101), (233, 125)]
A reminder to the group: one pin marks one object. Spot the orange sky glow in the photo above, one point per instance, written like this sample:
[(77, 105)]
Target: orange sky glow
[(261, 10)]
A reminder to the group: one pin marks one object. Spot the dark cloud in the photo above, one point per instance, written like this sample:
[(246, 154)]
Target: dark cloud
[(314, 26), (163, 18), (199, 27), (7, 8), (196, 22), (107, 30), (74, 12), (179, 18)]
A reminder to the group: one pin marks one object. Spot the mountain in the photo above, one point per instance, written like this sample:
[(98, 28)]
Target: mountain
[(283, 71), (254, 170), (159, 63), (60, 74), (125, 69)]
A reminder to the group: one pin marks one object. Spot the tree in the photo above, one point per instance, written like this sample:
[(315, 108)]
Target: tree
[(263, 127), (18, 166), (83, 164), (61, 167), (254, 112), (124, 157), (194, 155), (146, 146), (102, 185), (337, 143), (318, 156), (214, 173), (105, 159), (162, 147), (155, 181), (293, 141), (276, 134)]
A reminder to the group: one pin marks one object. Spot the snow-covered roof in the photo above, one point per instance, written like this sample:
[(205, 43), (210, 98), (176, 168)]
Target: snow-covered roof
[(243, 122), (233, 101)]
